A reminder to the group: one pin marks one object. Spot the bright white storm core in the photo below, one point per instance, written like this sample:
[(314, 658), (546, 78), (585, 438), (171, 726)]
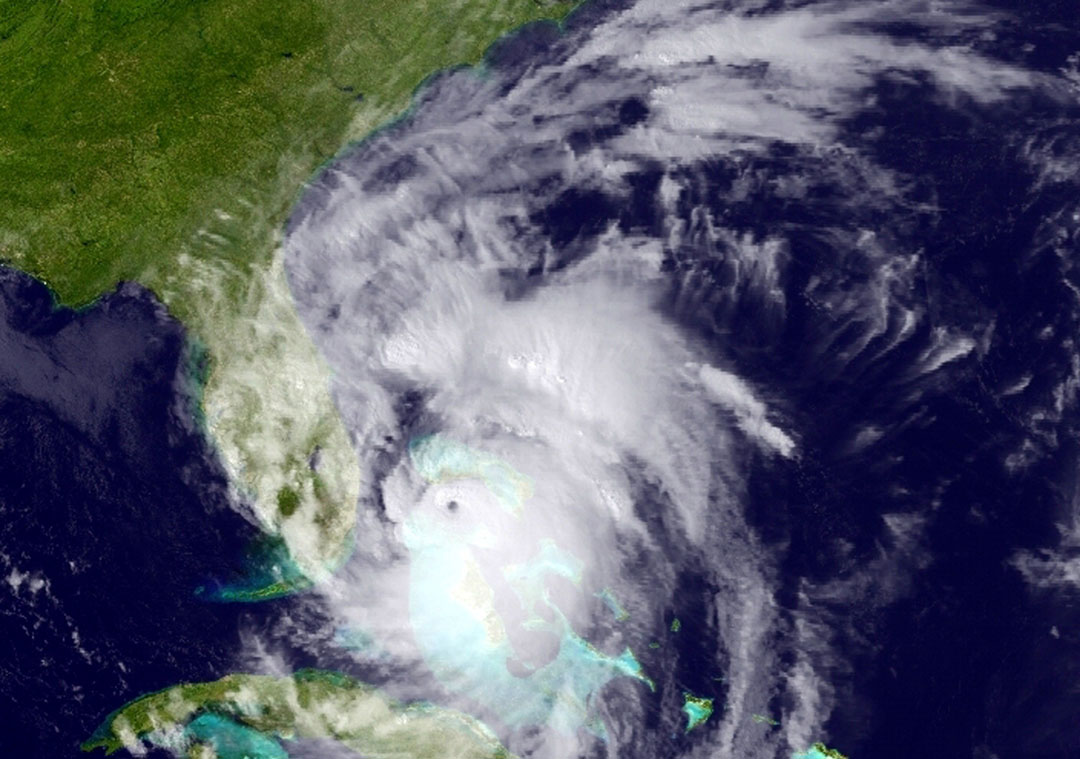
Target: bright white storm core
[(657, 339)]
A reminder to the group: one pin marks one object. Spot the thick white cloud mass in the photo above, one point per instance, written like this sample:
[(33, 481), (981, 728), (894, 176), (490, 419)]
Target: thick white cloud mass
[(485, 272)]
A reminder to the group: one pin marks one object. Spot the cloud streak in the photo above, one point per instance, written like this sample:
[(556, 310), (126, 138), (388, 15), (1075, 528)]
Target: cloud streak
[(502, 268)]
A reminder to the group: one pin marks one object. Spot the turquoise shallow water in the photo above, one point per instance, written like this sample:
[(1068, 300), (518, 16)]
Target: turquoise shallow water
[(438, 458), (454, 619), (697, 710), (231, 740), (814, 752), (610, 601), (270, 573)]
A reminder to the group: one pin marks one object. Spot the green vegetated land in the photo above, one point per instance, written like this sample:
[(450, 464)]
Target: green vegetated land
[(250, 714), (125, 125), (164, 142)]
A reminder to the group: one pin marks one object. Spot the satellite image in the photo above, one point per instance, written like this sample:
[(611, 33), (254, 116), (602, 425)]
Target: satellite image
[(540, 379)]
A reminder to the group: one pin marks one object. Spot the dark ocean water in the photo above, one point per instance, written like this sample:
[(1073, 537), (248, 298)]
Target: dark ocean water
[(970, 661), (923, 475), (896, 528), (967, 661), (905, 543), (113, 508)]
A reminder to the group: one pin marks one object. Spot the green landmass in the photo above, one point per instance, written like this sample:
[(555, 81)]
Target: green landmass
[(129, 125), (164, 143), (763, 719), (247, 713), (697, 710), (819, 751), (676, 625)]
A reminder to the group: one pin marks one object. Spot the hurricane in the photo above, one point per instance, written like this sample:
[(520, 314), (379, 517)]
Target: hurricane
[(633, 329), (678, 379)]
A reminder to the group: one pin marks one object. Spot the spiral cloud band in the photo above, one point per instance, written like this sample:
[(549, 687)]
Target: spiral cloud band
[(530, 291)]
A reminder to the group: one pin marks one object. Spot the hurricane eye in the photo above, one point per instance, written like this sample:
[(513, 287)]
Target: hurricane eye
[(452, 506)]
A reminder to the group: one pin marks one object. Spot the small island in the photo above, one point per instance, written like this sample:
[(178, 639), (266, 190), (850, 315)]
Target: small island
[(697, 710), (819, 751)]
